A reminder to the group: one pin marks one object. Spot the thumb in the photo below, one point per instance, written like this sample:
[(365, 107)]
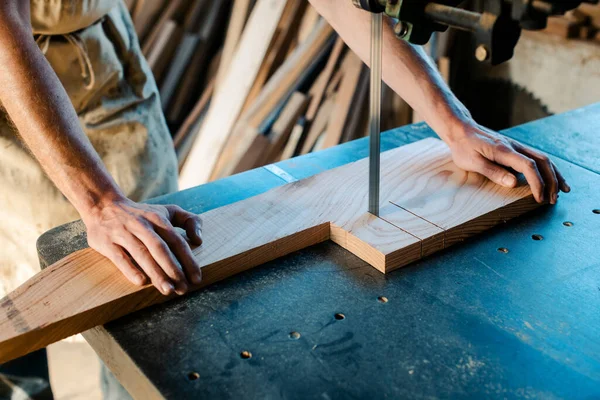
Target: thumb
[(496, 173)]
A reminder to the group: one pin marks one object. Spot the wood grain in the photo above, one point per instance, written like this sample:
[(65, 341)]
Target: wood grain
[(237, 20), (231, 94), (281, 85), (427, 204), (341, 111)]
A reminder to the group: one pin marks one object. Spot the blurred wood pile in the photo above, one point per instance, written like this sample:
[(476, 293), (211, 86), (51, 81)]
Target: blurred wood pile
[(246, 83), (580, 23)]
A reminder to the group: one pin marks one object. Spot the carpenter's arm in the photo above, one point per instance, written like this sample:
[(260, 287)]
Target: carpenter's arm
[(43, 115), (408, 71)]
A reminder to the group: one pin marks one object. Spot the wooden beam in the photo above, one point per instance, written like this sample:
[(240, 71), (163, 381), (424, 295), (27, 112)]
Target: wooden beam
[(281, 82), (230, 96), (318, 126), (358, 118), (267, 149), (145, 14), (341, 110), (162, 52), (188, 82), (318, 90), (428, 204), (277, 49), (282, 129), (237, 21), (275, 92), (172, 12)]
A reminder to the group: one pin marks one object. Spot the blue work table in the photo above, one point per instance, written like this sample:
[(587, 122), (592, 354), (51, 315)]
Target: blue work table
[(501, 316)]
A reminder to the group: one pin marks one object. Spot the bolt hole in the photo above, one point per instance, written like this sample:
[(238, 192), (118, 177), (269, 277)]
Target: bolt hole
[(295, 335), (537, 237), (596, 211), (503, 250), (567, 223), (245, 354), (339, 316), (382, 299), (192, 376)]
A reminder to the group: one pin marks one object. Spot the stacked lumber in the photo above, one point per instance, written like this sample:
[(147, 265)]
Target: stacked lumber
[(580, 23), (246, 83)]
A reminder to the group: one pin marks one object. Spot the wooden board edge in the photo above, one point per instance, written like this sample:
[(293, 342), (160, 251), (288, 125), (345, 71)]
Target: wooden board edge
[(121, 365)]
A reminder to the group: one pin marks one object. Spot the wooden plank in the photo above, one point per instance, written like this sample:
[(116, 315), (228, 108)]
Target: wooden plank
[(239, 14), (319, 125), (358, 118), (200, 106), (275, 92), (282, 129), (161, 54), (308, 23), (230, 97), (277, 49), (172, 12), (318, 91), (130, 4), (189, 81), (256, 153), (427, 204), (184, 137), (293, 142), (341, 110), (280, 83), (181, 60), (263, 149), (145, 14)]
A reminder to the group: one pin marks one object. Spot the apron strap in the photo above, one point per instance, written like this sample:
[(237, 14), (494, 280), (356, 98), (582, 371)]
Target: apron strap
[(85, 63)]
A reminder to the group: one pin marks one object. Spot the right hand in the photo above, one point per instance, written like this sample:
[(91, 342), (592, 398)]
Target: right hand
[(141, 240)]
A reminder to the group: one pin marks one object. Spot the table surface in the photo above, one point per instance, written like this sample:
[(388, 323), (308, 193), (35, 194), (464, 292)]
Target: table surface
[(469, 322)]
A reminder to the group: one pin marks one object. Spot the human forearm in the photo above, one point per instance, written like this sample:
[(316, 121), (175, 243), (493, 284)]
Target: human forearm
[(41, 112), (406, 68), (140, 239), (408, 71)]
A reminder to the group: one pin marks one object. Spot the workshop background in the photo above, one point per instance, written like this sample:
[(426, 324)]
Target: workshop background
[(301, 87)]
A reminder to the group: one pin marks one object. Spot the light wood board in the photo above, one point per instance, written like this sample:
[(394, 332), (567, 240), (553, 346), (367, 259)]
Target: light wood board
[(276, 90), (231, 94), (427, 204)]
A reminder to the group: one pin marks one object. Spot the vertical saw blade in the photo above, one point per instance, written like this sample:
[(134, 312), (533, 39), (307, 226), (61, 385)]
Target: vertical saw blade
[(375, 113)]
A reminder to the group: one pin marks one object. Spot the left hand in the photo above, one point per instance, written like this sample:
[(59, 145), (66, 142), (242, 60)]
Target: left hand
[(481, 150)]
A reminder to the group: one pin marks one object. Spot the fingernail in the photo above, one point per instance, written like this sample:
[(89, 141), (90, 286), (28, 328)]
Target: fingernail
[(554, 197), (197, 278), (181, 288), (568, 187), (167, 288), (509, 180)]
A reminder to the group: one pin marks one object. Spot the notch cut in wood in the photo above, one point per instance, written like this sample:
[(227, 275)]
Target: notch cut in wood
[(428, 204)]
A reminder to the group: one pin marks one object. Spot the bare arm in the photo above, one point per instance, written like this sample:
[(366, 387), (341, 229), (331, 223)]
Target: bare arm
[(408, 71), (41, 111)]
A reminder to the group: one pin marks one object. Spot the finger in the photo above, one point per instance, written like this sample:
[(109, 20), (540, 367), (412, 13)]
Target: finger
[(164, 257), (192, 223), (525, 165), (546, 169), (184, 254), (126, 266), (140, 253), (562, 182), (495, 173)]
